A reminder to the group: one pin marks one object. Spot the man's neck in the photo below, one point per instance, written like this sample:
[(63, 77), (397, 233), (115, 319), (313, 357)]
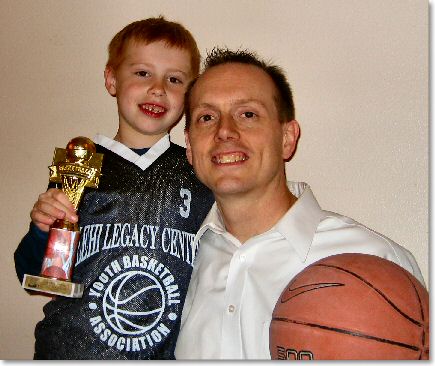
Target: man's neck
[(246, 217)]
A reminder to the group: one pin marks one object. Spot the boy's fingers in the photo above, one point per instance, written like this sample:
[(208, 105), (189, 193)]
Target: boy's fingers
[(61, 197), (41, 220), (55, 205), (52, 209)]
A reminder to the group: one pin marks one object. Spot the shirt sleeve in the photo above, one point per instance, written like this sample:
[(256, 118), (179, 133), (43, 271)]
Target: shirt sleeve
[(30, 252), (412, 266)]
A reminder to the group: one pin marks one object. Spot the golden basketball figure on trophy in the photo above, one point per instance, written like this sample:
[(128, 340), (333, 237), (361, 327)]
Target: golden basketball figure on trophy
[(76, 167)]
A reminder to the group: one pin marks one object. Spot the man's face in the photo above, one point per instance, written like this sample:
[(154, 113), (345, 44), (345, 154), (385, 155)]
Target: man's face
[(235, 142)]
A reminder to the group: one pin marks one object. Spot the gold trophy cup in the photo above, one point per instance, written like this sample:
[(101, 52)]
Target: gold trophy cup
[(76, 167)]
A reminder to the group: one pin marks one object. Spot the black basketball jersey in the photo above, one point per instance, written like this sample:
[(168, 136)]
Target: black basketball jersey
[(135, 259)]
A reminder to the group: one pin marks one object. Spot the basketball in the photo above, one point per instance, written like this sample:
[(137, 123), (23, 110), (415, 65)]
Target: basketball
[(134, 306), (351, 307), (80, 149)]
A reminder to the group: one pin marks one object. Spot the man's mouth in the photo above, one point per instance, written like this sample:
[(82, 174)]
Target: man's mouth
[(230, 158), (152, 110)]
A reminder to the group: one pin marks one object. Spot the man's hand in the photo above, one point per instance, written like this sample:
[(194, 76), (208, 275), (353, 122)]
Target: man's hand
[(50, 206)]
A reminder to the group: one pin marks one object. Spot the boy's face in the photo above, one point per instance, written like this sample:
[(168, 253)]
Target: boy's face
[(149, 86)]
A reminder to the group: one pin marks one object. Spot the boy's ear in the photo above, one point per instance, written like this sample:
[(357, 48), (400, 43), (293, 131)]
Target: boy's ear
[(188, 147), (290, 138), (110, 80)]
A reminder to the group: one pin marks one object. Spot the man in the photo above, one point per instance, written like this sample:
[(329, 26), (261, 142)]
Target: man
[(262, 231)]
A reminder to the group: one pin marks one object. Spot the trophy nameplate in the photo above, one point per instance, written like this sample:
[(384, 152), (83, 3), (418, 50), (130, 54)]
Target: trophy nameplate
[(76, 167)]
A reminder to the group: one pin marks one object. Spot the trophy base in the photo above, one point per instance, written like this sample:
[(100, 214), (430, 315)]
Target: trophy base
[(52, 286)]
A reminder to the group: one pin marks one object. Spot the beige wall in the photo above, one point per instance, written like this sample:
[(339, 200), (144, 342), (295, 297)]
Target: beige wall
[(359, 70)]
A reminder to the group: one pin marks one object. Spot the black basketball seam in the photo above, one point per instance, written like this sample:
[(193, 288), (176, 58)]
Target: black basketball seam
[(423, 334), (416, 322), (314, 286), (351, 333)]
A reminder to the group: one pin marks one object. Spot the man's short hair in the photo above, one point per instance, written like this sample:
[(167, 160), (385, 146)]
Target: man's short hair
[(153, 30), (219, 56)]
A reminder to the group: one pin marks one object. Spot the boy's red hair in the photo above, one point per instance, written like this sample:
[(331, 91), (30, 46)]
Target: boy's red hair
[(153, 30)]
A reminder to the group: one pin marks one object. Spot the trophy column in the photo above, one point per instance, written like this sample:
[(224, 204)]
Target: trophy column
[(76, 167)]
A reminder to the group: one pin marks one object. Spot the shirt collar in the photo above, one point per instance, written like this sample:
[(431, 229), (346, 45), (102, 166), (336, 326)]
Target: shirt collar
[(213, 221), (297, 226)]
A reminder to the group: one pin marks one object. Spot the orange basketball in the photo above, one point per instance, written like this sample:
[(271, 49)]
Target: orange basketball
[(352, 307)]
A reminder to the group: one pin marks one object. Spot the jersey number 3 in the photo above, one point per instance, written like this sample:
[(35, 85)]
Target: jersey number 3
[(187, 198)]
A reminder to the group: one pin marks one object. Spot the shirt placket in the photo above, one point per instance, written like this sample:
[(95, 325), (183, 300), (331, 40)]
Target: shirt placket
[(231, 341)]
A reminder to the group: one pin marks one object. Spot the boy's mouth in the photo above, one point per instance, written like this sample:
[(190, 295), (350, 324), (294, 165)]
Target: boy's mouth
[(152, 110)]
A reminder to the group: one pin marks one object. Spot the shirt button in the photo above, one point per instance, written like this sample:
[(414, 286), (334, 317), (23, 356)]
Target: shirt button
[(242, 258), (231, 308)]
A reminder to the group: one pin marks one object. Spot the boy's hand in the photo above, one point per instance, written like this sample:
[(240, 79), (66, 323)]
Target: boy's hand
[(52, 205)]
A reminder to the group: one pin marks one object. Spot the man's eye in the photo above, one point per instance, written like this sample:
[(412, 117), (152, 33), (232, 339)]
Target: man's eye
[(142, 73), (205, 118), (248, 114)]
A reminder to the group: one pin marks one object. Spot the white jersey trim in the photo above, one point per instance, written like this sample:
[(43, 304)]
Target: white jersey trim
[(142, 161)]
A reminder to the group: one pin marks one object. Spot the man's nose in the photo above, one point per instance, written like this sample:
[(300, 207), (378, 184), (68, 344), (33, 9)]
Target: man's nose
[(227, 129)]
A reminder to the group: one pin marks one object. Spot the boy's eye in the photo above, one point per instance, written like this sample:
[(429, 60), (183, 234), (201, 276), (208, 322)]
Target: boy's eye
[(142, 73), (174, 80)]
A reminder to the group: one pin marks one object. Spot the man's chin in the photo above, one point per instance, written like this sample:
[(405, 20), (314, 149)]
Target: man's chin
[(228, 187)]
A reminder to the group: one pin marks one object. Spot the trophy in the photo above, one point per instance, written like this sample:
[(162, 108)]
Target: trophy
[(76, 167)]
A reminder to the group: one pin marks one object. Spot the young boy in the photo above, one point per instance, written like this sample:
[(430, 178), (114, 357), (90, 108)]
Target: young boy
[(135, 255)]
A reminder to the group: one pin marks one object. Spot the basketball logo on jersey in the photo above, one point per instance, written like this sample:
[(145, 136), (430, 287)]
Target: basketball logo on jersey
[(134, 303)]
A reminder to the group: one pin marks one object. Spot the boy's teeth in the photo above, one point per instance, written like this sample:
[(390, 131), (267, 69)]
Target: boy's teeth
[(153, 108), (230, 158)]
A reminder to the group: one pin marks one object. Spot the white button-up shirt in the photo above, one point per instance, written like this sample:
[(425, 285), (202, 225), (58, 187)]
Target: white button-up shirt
[(234, 286)]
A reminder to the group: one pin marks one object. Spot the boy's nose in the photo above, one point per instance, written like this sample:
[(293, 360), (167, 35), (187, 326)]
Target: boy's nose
[(157, 89)]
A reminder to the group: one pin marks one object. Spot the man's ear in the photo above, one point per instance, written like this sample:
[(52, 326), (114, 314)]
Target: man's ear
[(290, 138), (188, 147), (110, 80)]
